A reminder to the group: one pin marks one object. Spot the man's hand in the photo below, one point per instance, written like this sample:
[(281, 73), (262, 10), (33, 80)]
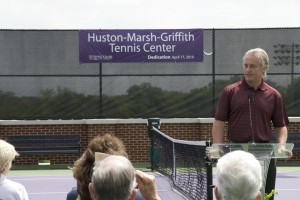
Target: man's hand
[(147, 186), (215, 152), (282, 149)]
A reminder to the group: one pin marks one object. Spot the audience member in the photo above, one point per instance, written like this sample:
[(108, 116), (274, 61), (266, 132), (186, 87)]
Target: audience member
[(114, 178), (83, 167), (9, 190), (239, 177)]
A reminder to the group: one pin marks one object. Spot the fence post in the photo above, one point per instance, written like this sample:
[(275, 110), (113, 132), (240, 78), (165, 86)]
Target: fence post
[(152, 122), (209, 175)]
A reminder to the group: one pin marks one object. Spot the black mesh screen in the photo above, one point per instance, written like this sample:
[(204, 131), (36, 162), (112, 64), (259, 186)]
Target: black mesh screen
[(183, 162), (41, 77)]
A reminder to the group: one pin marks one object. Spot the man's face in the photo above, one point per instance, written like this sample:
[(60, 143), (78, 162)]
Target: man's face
[(253, 72)]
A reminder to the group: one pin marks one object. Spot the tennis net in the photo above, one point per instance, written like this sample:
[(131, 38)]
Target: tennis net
[(184, 163)]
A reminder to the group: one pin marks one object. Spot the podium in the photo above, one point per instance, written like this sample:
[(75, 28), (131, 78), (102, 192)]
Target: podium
[(263, 152)]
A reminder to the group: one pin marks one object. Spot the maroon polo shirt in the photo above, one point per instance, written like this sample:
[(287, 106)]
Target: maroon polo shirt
[(266, 108)]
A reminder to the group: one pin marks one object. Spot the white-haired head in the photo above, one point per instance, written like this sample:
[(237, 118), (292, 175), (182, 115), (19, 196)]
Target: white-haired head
[(239, 176)]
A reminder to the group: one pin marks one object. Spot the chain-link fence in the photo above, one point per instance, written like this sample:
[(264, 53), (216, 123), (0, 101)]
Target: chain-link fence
[(41, 77)]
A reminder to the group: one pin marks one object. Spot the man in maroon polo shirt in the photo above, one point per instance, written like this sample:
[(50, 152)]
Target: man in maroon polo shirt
[(251, 107)]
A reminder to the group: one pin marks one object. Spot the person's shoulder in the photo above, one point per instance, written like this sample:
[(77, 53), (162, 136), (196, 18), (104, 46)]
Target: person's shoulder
[(72, 195), (13, 184), (13, 189), (233, 86), (266, 86)]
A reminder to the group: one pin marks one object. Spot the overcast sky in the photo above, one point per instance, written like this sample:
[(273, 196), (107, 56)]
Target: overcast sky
[(148, 14)]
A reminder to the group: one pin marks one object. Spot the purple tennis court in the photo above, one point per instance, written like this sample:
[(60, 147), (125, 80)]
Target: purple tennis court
[(55, 184), (45, 185)]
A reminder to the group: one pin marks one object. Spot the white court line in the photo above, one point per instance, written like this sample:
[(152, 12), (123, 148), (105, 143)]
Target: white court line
[(286, 189), (30, 179), (39, 193)]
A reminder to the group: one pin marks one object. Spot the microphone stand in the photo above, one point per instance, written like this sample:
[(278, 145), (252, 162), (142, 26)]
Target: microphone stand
[(250, 113)]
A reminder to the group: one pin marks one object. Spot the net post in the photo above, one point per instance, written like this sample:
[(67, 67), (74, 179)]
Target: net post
[(209, 174), (152, 122)]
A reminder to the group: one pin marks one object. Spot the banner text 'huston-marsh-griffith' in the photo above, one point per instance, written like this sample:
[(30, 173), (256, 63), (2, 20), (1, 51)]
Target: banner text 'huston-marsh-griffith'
[(105, 46)]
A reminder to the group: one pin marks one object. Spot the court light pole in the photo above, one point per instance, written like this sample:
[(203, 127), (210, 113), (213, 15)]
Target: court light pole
[(287, 55)]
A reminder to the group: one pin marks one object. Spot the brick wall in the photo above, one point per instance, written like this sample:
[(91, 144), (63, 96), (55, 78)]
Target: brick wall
[(133, 132)]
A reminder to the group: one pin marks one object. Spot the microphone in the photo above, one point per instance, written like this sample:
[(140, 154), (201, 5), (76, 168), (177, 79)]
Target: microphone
[(250, 113)]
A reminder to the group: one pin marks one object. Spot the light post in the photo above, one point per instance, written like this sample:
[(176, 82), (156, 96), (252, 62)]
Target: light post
[(288, 55)]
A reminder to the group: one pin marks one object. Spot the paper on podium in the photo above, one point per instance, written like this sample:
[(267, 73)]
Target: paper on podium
[(259, 150)]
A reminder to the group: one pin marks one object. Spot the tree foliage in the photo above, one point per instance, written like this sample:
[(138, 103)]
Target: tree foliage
[(142, 101)]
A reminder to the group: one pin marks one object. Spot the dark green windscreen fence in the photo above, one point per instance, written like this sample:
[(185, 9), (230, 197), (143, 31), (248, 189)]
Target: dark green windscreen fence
[(41, 77)]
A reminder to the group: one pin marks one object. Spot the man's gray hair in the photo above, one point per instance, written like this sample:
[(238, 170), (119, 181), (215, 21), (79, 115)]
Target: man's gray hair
[(113, 178), (239, 176), (262, 57)]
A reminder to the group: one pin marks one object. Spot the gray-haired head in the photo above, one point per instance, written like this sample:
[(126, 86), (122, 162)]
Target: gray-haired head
[(113, 178), (262, 57)]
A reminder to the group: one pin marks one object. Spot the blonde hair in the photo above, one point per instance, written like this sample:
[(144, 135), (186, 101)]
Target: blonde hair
[(7, 154)]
